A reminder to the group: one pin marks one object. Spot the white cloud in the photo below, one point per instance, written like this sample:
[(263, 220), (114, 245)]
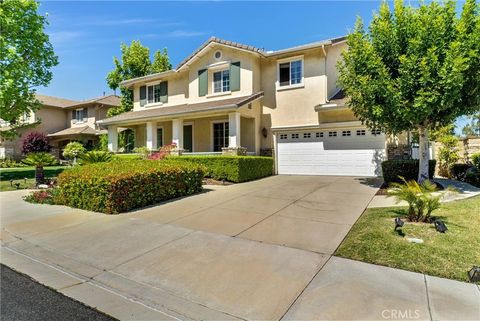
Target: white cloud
[(61, 37)]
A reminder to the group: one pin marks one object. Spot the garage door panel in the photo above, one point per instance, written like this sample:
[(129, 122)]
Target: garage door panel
[(352, 155)]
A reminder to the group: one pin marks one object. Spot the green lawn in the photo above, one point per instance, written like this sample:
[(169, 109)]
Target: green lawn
[(448, 255), (19, 173)]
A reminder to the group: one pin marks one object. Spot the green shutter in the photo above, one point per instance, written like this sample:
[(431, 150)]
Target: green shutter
[(202, 82), (143, 96), (164, 92), (235, 76)]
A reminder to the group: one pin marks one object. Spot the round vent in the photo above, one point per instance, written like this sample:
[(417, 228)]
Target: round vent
[(217, 55)]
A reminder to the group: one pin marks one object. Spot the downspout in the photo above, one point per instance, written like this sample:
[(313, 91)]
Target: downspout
[(326, 77)]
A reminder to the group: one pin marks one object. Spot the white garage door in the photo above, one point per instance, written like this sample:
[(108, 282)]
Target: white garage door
[(350, 152)]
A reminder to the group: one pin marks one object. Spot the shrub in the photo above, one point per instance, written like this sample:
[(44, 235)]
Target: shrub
[(73, 150), (163, 152), (35, 142), (447, 154), (473, 177), (39, 160), (46, 196), (421, 202), (459, 171), (123, 185), (143, 151), (232, 168), (408, 169), (10, 163), (96, 157), (476, 160)]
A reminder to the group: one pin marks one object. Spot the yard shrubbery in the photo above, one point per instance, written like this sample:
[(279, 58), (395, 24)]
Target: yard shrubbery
[(120, 186), (408, 169), (232, 168)]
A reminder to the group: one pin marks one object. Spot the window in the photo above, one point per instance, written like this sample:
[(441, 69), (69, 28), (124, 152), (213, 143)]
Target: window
[(153, 94), (346, 133), (376, 132), (79, 115), (294, 136), (221, 81), (220, 136), (319, 134), (290, 73), (283, 136), (332, 134), (307, 135), (361, 132), (159, 136)]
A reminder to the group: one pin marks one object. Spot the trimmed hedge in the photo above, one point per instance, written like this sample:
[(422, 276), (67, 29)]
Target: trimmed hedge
[(232, 168), (121, 186), (408, 169), (29, 172)]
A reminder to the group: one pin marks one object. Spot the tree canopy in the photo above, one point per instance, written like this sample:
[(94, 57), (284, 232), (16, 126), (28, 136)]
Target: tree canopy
[(26, 59), (135, 62), (417, 68)]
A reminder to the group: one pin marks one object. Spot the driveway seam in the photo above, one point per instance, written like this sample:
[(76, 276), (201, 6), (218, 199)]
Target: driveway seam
[(428, 297), (306, 286)]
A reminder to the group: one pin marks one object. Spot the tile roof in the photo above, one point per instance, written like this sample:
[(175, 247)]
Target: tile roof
[(230, 103), (85, 130), (51, 101)]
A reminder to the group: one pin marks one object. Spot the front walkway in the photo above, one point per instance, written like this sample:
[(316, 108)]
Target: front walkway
[(259, 250)]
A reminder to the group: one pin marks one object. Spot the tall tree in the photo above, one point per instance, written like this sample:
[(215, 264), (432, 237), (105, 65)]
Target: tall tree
[(135, 62), (472, 128), (417, 68), (26, 59)]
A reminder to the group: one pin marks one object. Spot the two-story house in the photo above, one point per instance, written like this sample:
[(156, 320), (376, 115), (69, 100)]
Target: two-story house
[(231, 98), (62, 120)]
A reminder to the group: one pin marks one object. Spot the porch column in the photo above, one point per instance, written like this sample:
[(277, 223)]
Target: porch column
[(234, 130), (151, 135), (112, 139), (177, 133)]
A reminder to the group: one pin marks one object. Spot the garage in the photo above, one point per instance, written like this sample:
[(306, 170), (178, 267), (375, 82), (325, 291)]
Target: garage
[(346, 151)]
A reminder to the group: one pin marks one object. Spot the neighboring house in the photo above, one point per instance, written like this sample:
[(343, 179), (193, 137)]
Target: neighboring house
[(63, 120), (231, 98)]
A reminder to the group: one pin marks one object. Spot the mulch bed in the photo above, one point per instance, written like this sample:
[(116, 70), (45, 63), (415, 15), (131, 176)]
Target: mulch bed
[(210, 181)]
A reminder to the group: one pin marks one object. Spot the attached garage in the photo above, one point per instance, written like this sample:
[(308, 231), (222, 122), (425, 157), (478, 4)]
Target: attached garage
[(346, 151)]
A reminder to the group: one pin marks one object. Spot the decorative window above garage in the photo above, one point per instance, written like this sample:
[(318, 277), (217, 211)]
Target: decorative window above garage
[(361, 132), (283, 136), (376, 132), (295, 136)]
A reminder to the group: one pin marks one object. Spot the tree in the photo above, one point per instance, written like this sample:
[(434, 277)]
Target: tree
[(39, 160), (135, 62), (415, 70), (26, 58), (35, 142), (472, 128)]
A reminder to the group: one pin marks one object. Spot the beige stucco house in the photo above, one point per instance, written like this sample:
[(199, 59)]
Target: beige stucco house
[(63, 120), (232, 98)]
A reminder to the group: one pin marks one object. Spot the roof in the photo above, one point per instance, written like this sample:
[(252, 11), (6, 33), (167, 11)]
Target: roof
[(110, 100), (85, 130), (236, 45), (216, 105), (338, 100)]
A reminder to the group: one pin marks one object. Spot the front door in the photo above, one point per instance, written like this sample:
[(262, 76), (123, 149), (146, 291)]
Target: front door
[(188, 138)]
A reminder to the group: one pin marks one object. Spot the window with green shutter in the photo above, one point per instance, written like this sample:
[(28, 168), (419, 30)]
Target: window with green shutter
[(235, 76), (164, 92), (202, 82)]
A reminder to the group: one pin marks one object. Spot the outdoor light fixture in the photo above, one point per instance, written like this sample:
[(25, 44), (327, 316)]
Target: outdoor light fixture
[(398, 223), (264, 132), (440, 226), (474, 274)]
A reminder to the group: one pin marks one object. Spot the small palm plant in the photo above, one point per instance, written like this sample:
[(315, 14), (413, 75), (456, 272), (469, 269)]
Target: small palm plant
[(96, 157), (39, 160), (421, 201)]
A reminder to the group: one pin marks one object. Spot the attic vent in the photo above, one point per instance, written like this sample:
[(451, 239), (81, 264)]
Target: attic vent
[(217, 55)]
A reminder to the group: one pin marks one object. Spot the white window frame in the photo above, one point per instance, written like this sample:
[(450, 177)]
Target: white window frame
[(361, 132), (283, 136), (222, 91), (332, 133), (76, 115), (290, 60), (162, 143), (346, 133), (152, 84), (211, 131)]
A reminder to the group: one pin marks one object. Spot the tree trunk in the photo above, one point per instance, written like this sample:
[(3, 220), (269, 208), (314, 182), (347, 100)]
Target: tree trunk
[(424, 154), (39, 176)]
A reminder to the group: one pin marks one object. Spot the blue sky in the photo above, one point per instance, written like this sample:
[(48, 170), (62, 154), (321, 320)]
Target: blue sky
[(87, 34)]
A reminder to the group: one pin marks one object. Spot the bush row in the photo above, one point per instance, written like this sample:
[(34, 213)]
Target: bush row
[(121, 186), (29, 172), (407, 169), (232, 168)]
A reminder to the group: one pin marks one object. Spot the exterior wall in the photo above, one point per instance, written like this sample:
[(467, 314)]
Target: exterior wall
[(94, 113), (333, 116), (333, 56)]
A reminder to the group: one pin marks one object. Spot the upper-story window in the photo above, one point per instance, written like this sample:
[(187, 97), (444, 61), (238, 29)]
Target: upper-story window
[(79, 115), (154, 93), (290, 72), (221, 81)]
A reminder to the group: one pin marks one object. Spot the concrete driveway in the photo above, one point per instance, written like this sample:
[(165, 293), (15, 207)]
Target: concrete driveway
[(254, 251)]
